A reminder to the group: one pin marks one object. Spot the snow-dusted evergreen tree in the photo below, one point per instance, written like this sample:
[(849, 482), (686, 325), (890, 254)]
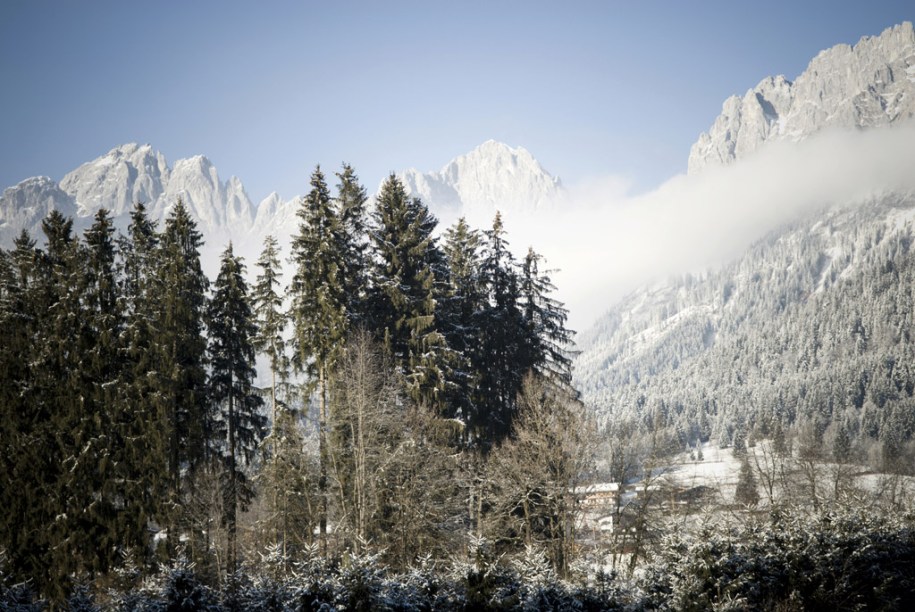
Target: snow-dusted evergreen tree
[(405, 285), (56, 398), (548, 341), (353, 245), (318, 310), (747, 492), (461, 309), (269, 340), (241, 425), (98, 461), (503, 333), (25, 478), (270, 317), (181, 346), (146, 428)]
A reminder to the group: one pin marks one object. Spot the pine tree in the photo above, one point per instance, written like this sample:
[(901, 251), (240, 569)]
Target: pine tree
[(504, 340), (231, 349), (548, 340), (841, 446), (95, 466), (23, 482), (406, 289), (352, 244), (747, 492), (269, 340), (145, 428), (740, 444), (318, 306), (58, 399), (181, 345), (270, 316), (461, 313)]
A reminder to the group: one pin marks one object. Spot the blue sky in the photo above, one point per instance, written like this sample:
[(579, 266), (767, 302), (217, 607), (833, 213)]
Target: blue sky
[(269, 89)]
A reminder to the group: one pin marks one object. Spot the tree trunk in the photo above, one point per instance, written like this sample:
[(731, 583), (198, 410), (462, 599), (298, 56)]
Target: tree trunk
[(322, 443), (233, 491)]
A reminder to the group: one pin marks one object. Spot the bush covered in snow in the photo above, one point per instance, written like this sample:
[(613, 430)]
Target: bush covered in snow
[(789, 561), (829, 561)]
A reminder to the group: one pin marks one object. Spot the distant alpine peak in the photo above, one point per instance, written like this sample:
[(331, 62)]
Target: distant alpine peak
[(125, 175), (866, 85), (23, 206), (493, 176)]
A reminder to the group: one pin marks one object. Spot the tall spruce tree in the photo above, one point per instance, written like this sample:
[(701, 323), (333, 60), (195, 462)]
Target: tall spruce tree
[(504, 339), (24, 476), (182, 347), (270, 317), (269, 340), (59, 394), (145, 429), (546, 350), (460, 313), (318, 307), (406, 288), (231, 349), (353, 246), (95, 468)]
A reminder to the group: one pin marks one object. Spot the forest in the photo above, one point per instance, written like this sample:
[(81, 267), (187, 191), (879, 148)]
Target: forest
[(419, 445), (809, 334), (400, 369)]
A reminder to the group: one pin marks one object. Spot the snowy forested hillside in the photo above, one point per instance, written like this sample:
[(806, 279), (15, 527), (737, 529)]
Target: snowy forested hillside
[(810, 328), (812, 324)]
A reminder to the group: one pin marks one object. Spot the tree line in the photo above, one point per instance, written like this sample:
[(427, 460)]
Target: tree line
[(132, 428)]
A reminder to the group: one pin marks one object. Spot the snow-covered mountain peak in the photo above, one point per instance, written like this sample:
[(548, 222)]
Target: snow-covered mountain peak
[(866, 85), (195, 165), (493, 176), (117, 180), (120, 178), (220, 207), (23, 206), (269, 205)]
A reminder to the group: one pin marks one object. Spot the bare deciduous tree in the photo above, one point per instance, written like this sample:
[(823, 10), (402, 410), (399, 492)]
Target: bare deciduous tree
[(536, 470)]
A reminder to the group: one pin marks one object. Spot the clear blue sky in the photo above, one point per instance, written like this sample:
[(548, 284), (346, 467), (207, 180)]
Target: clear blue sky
[(268, 89)]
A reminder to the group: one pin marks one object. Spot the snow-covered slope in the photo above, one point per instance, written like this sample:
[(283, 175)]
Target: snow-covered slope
[(810, 306), (492, 177), (789, 326), (866, 85)]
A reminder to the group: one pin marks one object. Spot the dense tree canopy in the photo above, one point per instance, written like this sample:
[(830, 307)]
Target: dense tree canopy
[(132, 427)]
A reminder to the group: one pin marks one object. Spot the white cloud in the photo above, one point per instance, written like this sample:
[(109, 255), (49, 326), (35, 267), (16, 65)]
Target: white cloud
[(606, 243)]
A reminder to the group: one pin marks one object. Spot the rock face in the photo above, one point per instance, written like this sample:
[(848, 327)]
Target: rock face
[(866, 85), (23, 206), (117, 180), (492, 177)]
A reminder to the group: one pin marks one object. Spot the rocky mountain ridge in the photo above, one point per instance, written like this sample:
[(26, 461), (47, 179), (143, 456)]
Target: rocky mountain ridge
[(867, 85), (494, 176), (491, 176)]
